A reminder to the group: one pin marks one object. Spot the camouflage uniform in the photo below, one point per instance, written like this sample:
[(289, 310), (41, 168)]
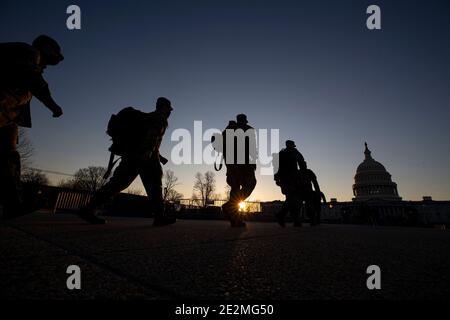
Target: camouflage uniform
[(20, 80), (143, 161)]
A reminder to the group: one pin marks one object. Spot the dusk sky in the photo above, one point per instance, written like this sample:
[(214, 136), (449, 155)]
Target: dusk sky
[(309, 68)]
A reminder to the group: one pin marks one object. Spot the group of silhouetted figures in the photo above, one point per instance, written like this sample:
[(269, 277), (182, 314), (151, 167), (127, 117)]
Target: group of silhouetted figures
[(136, 138)]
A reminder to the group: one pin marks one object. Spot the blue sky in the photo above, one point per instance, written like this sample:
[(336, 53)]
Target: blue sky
[(308, 68)]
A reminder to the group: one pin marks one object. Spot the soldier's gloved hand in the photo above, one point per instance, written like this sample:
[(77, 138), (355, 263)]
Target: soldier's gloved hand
[(57, 112), (163, 160)]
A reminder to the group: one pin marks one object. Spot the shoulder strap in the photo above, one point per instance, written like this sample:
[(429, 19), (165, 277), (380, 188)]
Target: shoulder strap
[(220, 163), (111, 165)]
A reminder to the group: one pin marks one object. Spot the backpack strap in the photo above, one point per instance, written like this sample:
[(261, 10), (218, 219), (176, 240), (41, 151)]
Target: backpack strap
[(220, 163), (111, 165)]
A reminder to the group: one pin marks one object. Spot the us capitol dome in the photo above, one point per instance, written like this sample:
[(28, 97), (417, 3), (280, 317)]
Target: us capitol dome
[(373, 182)]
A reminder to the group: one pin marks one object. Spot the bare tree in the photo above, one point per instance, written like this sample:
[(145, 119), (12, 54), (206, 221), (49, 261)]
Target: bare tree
[(204, 187), (169, 183), (25, 148), (89, 179), (67, 183), (173, 196), (227, 192), (35, 177)]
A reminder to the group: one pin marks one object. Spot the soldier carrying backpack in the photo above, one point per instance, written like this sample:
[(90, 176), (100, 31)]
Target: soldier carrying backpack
[(136, 138)]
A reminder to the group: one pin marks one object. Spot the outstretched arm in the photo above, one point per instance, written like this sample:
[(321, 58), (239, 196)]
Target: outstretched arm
[(314, 181), (46, 98), (317, 187)]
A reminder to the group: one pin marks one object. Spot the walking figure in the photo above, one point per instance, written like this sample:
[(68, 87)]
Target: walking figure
[(136, 137), (21, 69)]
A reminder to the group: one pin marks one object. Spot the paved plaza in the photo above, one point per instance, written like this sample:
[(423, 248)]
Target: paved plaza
[(195, 259)]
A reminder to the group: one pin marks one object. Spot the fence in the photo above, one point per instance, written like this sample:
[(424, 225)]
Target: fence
[(71, 200), (248, 206)]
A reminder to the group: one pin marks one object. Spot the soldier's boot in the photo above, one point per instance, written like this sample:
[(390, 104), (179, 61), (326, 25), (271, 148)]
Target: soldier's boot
[(226, 210), (89, 215), (89, 212), (297, 222), (281, 215), (161, 218), (236, 220), (161, 221), (313, 220), (318, 217)]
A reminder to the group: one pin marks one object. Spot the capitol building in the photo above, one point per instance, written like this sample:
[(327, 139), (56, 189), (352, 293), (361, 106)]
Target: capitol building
[(372, 181), (377, 201)]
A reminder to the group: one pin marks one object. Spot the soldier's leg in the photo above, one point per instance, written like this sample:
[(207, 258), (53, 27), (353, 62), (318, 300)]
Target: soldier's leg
[(9, 171), (248, 184), (245, 183), (295, 209), (281, 215), (123, 176), (230, 208), (309, 209), (151, 175), (317, 208)]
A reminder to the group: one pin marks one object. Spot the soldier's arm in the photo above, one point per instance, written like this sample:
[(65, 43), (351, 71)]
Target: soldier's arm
[(300, 159), (314, 181), (44, 95), (163, 160), (37, 84), (317, 187)]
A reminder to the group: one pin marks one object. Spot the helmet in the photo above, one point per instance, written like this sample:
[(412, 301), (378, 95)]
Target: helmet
[(163, 104), (241, 118), (290, 144), (49, 49)]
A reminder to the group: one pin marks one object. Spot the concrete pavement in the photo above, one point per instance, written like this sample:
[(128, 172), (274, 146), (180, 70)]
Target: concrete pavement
[(130, 259)]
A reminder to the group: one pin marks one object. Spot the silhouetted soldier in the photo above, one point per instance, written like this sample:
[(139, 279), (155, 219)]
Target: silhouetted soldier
[(136, 137), (21, 68), (241, 165), (289, 162), (218, 143), (312, 198)]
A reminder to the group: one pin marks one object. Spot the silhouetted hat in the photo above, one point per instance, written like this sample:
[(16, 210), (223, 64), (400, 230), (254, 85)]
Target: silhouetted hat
[(290, 144), (163, 103), (50, 48), (241, 118)]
